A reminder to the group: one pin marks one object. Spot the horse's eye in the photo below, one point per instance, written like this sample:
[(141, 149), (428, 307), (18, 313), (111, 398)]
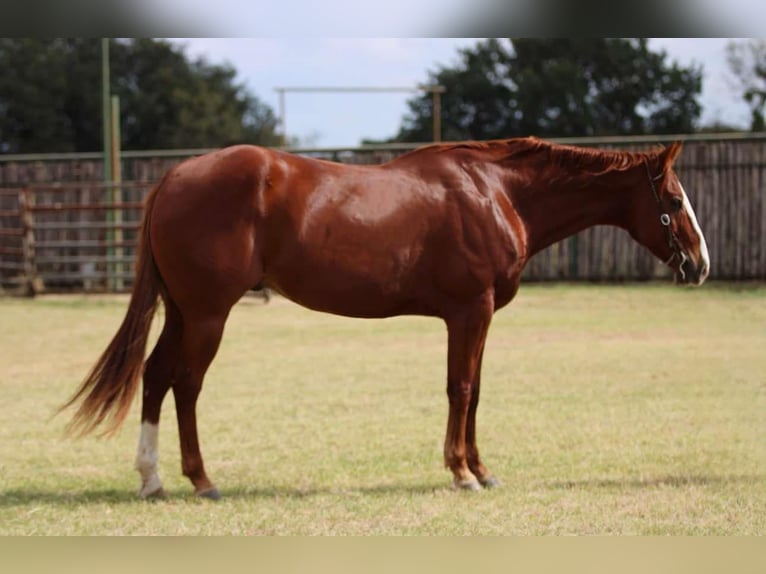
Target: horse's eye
[(676, 203)]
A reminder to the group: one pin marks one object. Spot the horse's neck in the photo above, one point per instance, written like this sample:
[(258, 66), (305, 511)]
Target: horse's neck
[(566, 203)]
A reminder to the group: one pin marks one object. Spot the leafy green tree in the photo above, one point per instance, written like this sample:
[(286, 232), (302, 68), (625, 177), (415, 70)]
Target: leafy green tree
[(747, 62), (563, 87), (32, 106), (50, 98)]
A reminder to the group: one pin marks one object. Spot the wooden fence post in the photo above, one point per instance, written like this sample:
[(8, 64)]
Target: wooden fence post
[(32, 283), (574, 255)]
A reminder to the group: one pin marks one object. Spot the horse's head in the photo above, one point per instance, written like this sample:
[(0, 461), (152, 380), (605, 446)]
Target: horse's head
[(664, 221)]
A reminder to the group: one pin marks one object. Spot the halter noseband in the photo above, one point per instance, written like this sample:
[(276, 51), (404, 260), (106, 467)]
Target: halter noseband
[(673, 243)]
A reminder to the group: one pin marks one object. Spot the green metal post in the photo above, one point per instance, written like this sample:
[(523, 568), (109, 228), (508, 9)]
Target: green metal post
[(106, 113), (116, 194), (106, 110)]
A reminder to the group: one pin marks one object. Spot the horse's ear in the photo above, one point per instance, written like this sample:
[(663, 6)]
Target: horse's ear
[(669, 155)]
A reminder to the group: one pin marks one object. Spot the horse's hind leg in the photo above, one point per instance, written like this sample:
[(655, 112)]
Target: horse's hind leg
[(158, 376), (201, 337)]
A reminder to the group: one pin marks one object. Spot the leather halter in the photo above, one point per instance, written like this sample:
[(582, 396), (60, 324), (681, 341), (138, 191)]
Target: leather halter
[(665, 221)]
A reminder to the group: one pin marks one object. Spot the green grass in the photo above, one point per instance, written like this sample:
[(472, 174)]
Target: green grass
[(604, 410)]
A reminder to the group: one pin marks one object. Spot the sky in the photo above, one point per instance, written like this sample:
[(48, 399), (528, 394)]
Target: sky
[(344, 119)]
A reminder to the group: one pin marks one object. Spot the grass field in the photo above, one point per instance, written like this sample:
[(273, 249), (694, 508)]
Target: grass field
[(604, 410)]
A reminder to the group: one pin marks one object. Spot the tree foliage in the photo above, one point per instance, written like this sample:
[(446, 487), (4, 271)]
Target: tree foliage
[(50, 98), (747, 62), (563, 87)]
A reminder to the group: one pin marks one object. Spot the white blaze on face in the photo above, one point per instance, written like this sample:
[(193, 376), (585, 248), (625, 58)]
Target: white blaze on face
[(146, 459), (704, 255)]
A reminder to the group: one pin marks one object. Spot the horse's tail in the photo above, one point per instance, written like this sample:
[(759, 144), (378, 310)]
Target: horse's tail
[(107, 392)]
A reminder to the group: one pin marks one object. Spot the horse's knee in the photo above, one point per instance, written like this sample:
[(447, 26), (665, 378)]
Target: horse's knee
[(460, 391)]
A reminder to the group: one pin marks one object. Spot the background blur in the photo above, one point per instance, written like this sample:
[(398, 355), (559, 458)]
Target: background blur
[(89, 125), (206, 92)]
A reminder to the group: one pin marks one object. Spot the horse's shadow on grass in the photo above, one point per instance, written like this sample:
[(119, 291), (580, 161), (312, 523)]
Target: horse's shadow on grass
[(27, 497), (32, 496)]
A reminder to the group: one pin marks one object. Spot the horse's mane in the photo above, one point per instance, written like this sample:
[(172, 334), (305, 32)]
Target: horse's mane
[(508, 150)]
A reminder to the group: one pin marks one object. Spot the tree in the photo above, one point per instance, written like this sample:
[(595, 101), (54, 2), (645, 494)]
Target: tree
[(32, 100), (50, 98), (747, 62), (562, 87)]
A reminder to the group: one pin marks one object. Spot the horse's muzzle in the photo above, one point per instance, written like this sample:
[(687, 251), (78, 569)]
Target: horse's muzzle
[(690, 273)]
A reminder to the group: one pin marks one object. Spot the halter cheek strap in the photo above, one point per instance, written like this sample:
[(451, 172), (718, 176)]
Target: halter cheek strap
[(665, 221)]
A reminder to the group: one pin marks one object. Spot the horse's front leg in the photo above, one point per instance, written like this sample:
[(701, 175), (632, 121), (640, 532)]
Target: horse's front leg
[(472, 451), (467, 330)]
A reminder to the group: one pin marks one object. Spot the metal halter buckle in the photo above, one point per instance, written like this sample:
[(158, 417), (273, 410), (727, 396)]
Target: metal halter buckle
[(665, 219)]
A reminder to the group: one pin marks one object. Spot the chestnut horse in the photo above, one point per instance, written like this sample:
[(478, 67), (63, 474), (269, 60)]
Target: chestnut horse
[(443, 231)]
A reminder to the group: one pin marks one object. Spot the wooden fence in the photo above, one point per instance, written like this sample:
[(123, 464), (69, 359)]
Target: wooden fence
[(61, 229), (68, 237)]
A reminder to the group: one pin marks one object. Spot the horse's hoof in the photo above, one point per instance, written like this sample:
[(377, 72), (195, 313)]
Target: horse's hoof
[(211, 494), (490, 482), (158, 494), (468, 484)]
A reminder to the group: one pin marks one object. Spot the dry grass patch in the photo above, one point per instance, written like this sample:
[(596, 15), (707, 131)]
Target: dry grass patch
[(605, 410)]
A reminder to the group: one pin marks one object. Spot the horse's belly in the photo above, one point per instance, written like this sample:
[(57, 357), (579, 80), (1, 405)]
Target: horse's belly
[(350, 301), (356, 288)]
